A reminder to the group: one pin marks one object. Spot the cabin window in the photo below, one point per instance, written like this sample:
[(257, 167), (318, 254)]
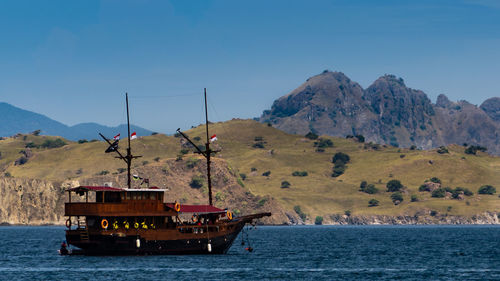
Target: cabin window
[(122, 196), (112, 197), (98, 196), (128, 195), (152, 196), (134, 195)]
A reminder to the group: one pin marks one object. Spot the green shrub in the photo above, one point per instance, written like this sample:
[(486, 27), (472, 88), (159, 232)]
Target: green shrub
[(103, 172), (157, 159), (338, 170), (341, 157), (299, 212), (439, 193), (184, 151), (371, 189), (433, 213), (238, 180), (423, 188), (311, 136), (373, 203), (7, 175), (31, 145), (262, 202), (258, 139), (243, 176), (82, 141), (360, 138), (487, 189), (258, 145), (197, 139), (347, 213), (413, 147), (473, 149), (435, 180), (362, 186), (285, 184), (397, 197), (442, 150), (323, 143), (192, 162), (394, 185), (253, 169), (196, 182), (121, 170), (53, 143), (318, 220), (299, 174), (266, 173), (414, 198), (144, 163)]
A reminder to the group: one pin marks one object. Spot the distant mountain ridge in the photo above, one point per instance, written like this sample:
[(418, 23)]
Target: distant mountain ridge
[(16, 120), (386, 112)]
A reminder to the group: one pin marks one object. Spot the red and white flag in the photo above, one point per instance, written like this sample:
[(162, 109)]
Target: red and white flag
[(213, 138), (117, 137), (133, 136)]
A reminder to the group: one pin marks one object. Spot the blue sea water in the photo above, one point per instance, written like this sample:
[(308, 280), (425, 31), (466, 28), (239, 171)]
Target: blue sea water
[(281, 253)]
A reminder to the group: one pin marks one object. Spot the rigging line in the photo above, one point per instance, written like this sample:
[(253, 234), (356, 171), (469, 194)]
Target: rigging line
[(164, 96), (232, 139)]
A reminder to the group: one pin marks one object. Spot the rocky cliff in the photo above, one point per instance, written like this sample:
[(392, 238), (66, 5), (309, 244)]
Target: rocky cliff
[(36, 202), (386, 112)]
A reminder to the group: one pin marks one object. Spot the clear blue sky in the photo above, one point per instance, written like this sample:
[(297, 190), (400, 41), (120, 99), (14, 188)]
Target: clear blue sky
[(74, 60)]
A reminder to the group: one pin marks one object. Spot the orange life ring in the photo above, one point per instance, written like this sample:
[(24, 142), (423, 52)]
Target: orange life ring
[(104, 223), (194, 218), (68, 223), (229, 215), (177, 207)]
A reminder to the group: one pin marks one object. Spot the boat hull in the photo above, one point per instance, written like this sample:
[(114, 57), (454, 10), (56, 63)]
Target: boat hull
[(112, 244)]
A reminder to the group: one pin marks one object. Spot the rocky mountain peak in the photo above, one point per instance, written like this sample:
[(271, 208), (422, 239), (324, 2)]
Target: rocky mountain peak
[(443, 101), (492, 108), (386, 112)]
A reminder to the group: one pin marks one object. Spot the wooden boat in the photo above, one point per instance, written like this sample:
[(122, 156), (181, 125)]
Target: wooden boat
[(127, 221)]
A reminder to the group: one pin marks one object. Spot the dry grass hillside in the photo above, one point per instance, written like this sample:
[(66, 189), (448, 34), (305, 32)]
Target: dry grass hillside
[(251, 148)]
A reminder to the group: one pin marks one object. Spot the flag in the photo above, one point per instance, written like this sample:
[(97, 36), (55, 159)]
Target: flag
[(133, 136), (117, 137), (112, 147), (213, 138)]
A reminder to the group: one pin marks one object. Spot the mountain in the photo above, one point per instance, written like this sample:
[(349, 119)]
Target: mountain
[(249, 171), (16, 120), (387, 112)]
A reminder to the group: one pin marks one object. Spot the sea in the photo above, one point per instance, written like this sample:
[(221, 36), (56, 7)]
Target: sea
[(280, 253)]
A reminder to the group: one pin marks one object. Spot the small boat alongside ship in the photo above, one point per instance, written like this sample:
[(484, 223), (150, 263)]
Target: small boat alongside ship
[(141, 221)]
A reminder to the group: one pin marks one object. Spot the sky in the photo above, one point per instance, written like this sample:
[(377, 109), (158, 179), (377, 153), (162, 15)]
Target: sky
[(73, 61)]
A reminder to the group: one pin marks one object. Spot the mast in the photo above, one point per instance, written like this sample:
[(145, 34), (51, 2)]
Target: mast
[(205, 153), (208, 152), (129, 153), (114, 147)]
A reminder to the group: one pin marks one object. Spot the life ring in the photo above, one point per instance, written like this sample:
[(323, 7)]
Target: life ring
[(126, 224), (115, 225), (136, 225), (68, 223), (194, 218), (104, 223), (144, 225), (229, 215), (177, 207)]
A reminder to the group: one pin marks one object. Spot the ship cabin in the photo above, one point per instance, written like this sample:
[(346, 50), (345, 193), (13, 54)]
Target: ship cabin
[(111, 209)]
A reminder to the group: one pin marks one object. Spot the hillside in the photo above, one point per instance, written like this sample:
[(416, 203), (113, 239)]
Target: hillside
[(387, 112), (16, 120), (317, 194)]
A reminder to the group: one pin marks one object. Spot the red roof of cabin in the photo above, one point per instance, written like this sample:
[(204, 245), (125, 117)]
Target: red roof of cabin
[(197, 208), (95, 188)]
